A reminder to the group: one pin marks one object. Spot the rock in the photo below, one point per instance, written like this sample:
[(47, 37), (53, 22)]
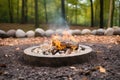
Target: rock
[(109, 31), (69, 31), (30, 34), (11, 33), (20, 33), (100, 32), (76, 32), (94, 32), (116, 31), (39, 32), (86, 31), (49, 32), (59, 31), (3, 34)]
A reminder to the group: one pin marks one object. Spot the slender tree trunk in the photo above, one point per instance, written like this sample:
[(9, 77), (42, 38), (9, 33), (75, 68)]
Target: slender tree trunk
[(45, 6), (92, 14), (101, 13), (110, 20), (10, 11), (18, 11), (63, 9), (36, 14), (66, 11), (76, 13), (112, 15), (119, 13), (24, 12)]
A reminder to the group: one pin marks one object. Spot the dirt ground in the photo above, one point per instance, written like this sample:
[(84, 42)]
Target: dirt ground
[(105, 66)]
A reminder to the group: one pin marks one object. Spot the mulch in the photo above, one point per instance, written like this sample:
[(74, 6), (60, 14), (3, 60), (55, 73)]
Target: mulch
[(104, 66)]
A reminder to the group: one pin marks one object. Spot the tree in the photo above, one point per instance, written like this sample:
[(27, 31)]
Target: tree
[(63, 9), (46, 18), (101, 13), (10, 6), (92, 13), (76, 11), (111, 11), (24, 12), (17, 10), (119, 13), (36, 14)]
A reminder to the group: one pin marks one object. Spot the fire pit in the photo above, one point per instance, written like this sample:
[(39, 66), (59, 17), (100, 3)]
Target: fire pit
[(59, 50)]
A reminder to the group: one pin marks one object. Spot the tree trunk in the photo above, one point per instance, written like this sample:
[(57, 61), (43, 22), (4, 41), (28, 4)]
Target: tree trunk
[(10, 11), (45, 6), (101, 13), (112, 16), (24, 12), (111, 11), (119, 13), (63, 9), (76, 13), (36, 14), (92, 14), (18, 11)]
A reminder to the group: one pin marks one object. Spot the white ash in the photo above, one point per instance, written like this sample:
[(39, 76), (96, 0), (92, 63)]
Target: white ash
[(45, 49)]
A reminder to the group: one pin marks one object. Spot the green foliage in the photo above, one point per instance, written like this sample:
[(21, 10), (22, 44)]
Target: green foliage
[(82, 12)]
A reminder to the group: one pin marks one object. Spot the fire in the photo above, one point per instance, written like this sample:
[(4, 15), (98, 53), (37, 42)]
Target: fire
[(64, 41)]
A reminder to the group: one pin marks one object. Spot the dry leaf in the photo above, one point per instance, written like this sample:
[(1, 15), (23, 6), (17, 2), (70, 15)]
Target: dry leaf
[(84, 78), (17, 48), (101, 69), (99, 51), (74, 68), (109, 47)]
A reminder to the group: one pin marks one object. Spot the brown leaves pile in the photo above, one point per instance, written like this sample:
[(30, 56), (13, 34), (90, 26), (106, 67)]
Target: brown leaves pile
[(81, 38)]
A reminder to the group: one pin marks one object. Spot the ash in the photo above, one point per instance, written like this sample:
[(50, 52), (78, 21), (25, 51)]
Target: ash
[(47, 49)]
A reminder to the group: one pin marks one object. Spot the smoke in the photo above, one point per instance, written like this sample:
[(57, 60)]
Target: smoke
[(56, 20), (59, 23)]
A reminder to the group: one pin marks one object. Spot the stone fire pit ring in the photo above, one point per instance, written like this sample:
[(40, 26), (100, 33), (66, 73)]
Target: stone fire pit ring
[(56, 60)]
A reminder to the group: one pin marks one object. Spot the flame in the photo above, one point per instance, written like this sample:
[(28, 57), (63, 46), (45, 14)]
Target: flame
[(58, 41)]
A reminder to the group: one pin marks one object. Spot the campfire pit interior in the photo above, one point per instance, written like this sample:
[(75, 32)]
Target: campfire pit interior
[(61, 50)]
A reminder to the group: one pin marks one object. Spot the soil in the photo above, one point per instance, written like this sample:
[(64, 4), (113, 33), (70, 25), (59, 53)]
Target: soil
[(104, 66)]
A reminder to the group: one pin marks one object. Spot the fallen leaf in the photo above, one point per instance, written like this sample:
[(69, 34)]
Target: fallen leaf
[(99, 51), (74, 68), (84, 78), (17, 48), (101, 69)]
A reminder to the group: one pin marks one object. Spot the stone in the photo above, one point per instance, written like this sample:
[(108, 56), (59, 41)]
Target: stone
[(30, 34), (20, 33), (93, 32), (76, 32), (86, 31), (100, 32), (69, 31), (116, 31), (39, 32), (109, 31), (11, 33), (59, 31), (3, 34), (49, 32)]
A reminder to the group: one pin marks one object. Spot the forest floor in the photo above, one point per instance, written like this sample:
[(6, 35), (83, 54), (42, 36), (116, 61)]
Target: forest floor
[(106, 65), (26, 27)]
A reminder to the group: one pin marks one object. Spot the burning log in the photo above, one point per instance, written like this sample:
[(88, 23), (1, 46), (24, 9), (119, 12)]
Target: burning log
[(65, 46)]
